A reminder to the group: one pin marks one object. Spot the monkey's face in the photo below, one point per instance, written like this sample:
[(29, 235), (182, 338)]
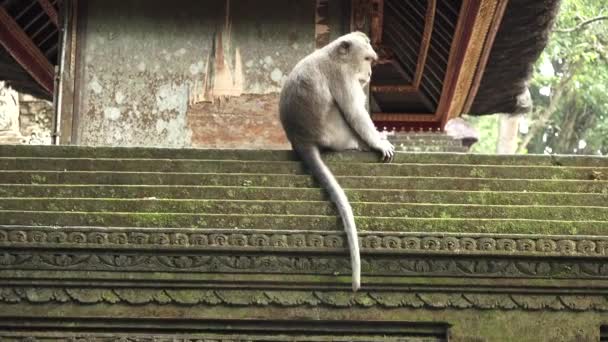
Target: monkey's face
[(357, 53), (366, 58)]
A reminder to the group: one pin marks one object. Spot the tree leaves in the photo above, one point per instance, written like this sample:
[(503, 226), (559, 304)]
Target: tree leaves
[(576, 51)]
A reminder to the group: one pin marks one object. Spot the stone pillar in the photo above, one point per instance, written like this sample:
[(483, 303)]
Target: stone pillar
[(508, 127)]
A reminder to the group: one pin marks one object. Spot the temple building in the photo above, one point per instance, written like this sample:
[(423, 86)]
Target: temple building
[(169, 208)]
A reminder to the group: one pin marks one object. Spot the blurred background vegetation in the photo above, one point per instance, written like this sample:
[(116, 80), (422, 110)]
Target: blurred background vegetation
[(569, 89)]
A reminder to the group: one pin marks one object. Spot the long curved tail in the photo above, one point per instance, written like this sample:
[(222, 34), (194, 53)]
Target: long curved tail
[(312, 158)]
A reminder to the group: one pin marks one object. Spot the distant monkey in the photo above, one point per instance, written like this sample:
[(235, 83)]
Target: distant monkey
[(322, 107)]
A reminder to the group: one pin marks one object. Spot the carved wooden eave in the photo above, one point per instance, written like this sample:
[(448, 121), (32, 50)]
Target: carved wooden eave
[(471, 53), (443, 65)]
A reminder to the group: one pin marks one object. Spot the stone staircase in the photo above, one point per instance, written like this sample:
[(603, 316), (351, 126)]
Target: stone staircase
[(114, 234), (67, 186), (426, 142)]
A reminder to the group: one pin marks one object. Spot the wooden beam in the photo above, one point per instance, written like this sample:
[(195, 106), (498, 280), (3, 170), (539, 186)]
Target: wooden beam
[(361, 12), (25, 10), (25, 52), (466, 16), (485, 55), (322, 33), (377, 22), (425, 44), (50, 11), (475, 21), (67, 90), (405, 88), (411, 123), (403, 117)]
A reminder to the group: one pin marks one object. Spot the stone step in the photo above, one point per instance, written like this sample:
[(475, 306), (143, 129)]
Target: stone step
[(325, 208), (431, 149), (419, 135), (425, 142), (301, 222), (301, 194), (228, 189), (302, 181), (9, 165), (13, 151)]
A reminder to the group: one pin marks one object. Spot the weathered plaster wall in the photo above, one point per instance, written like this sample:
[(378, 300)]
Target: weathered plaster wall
[(202, 74)]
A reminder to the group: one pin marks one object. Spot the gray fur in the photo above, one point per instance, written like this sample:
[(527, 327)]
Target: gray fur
[(322, 107)]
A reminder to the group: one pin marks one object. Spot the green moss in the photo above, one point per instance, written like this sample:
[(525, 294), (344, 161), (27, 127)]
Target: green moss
[(209, 154), (37, 179), (295, 168), (477, 173), (274, 191), (305, 181), (303, 194), (523, 226), (253, 207), (445, 215)]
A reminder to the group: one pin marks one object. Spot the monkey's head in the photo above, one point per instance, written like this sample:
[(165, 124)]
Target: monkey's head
[(355, 52)]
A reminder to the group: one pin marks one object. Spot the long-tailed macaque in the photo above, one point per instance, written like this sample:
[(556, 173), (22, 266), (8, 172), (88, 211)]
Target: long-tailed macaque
[(322, 107)]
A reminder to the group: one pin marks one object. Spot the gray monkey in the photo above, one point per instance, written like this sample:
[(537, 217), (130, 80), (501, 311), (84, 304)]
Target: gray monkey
[(322, 107)]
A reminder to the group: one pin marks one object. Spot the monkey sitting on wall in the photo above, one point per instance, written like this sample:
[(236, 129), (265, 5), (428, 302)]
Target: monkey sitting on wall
[(322, 107)]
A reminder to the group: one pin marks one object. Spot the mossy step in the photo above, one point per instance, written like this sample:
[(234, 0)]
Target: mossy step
[(296, 168), (332, 223), (454, 149), (419, 135), (268, 155), (265, 207), (302, 181), (426, 142), (301, 194)]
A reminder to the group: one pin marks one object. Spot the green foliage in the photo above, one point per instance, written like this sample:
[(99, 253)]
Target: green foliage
[(569, 87), (576, 121), (487, 126)]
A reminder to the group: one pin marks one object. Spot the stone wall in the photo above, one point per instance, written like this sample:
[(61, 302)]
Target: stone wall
[(9, 116), (204, 74), (24, 119), (35, 120)]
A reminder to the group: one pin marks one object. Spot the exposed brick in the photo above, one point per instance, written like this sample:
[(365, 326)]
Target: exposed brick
[(246, 121)]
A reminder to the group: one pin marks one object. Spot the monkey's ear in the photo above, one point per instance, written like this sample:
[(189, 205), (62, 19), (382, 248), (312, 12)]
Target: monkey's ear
[(344, 47)]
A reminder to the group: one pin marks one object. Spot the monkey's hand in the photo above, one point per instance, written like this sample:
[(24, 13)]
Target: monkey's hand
[(387, 149)]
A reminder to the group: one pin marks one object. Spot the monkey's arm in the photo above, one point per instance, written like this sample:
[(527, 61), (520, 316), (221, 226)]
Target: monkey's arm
[(350, 97)]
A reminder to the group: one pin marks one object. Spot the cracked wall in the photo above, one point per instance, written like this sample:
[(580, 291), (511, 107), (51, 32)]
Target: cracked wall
[(202, 74)]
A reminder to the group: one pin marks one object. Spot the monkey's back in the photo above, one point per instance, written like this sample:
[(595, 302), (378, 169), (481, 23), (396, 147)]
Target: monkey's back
[(305, 101), (309, 115)]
